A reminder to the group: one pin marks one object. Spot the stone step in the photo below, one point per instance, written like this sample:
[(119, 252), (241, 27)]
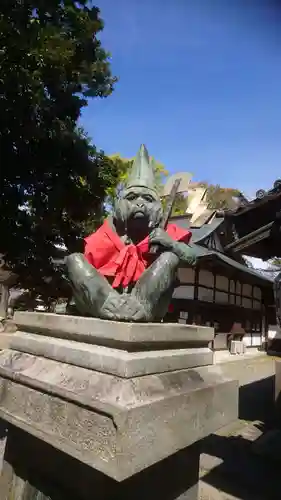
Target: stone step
[(130, 336), (110, 360)]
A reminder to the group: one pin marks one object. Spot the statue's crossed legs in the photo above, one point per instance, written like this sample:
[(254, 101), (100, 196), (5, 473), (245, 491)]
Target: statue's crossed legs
[(148, 300)]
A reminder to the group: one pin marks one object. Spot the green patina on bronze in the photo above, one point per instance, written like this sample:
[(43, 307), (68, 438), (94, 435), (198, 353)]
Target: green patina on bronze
[(138, 213)]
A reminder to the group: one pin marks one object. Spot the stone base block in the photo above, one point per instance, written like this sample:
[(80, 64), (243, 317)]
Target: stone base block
[(130, 336), (123, 349), (33, 469), (109, 360), (5, 340), (114, 410), (118, 426), (7, 329)]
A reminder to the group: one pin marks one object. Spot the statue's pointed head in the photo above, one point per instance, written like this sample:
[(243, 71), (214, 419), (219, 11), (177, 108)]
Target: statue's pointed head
[(142, 173), (140, 204)]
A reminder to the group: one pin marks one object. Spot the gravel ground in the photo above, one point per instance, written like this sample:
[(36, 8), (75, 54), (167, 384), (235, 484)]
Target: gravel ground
[(229, 468)]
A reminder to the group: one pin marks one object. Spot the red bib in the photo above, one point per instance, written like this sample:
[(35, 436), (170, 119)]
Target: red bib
[(111, 257)]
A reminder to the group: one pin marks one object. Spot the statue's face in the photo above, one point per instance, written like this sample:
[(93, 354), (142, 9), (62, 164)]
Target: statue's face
[(139, 206)]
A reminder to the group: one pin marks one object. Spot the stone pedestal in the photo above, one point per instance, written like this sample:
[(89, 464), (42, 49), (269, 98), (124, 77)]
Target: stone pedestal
[(108, 409), (7, 328), (277, 384), (32, 466), (4, 297)]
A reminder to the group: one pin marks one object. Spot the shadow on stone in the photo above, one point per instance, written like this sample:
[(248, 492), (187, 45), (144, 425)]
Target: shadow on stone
[(33, 466), (231, 465), (241, 474), (3, 429), (256, 400)]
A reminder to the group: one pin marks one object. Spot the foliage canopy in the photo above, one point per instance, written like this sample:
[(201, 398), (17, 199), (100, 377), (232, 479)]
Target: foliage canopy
[(52, 179)]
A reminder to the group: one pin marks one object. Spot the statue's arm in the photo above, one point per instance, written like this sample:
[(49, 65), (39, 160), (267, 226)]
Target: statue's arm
[(186, 252)]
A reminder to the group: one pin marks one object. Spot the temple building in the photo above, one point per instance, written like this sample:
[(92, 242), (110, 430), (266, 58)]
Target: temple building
[(253, 229), (221, 291)]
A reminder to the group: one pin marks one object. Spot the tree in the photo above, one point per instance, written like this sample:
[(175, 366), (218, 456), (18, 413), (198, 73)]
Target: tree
[(216, 198), (52, 179), (109, 177), (219, 198), (180, 205), (275, 262)]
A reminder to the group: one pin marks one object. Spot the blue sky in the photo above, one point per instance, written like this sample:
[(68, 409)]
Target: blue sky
[(199, 84)]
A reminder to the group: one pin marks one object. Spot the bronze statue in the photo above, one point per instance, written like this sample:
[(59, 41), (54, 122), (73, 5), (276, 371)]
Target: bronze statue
[(118, 277)]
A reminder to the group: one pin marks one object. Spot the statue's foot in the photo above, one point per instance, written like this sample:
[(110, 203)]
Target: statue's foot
[(148, 301), (125, 307), (94, 296)]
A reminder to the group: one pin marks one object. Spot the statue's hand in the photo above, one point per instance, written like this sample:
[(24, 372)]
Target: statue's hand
[(185, 253), (160, 238)]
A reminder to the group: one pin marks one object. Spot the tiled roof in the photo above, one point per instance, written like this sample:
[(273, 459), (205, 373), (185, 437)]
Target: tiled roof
[(262, 197)]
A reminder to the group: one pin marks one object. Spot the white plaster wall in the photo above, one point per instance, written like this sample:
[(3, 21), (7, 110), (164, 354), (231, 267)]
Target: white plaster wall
[(205, 294), (256, 339), (247, 339), (247, 290), (184, 292), (221, 297), (186, 275), (222, 282), (246, 302), (257, 292), (206, 278)]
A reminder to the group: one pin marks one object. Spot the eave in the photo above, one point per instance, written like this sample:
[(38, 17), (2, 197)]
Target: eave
[(205, 256), (243, 243)]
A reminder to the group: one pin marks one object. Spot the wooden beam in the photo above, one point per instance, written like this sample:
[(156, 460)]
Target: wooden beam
[(249, 239)]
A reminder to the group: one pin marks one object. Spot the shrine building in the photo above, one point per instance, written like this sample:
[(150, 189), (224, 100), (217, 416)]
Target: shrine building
[(222, 291), (254, 227)]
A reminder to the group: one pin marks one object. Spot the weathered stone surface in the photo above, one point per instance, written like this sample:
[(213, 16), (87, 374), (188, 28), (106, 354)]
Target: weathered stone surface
[(35, 470), (109, 360), (5, 340), (120, 399), (122, 349), (7, 326), (96, 331), (118, 426)]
